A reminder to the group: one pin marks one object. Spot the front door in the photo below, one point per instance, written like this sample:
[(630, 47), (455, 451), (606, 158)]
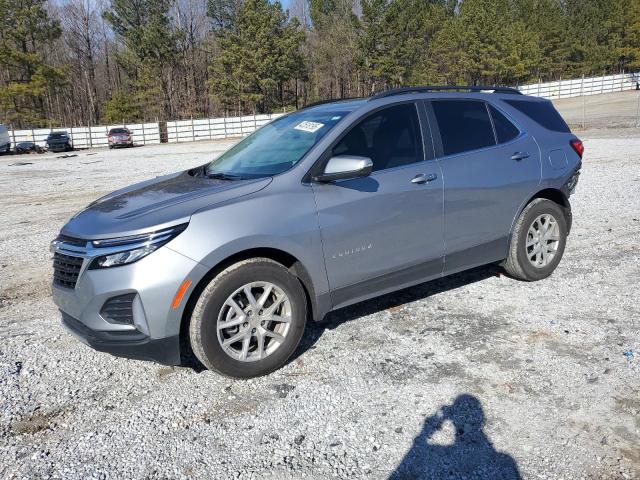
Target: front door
[(386, 230)]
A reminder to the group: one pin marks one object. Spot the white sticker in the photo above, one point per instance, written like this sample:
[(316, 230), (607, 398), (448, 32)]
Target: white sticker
[(310, 127)]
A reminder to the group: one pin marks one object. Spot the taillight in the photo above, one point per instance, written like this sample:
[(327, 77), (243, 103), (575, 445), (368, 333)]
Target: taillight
[(577, 146)]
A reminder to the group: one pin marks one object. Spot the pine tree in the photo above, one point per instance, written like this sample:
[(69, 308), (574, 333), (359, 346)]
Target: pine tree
[(485, 42), (122, 108), (258, 55), (149, 50), (396, 36), (26, 30)]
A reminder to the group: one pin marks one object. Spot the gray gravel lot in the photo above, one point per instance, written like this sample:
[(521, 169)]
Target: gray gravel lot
[(473, 376)]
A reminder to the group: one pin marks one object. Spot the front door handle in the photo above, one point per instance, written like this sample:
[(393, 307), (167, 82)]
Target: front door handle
[(517, 156), (422, 178)]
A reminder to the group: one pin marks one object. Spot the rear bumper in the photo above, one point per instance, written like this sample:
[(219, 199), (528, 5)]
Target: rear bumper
[(128, 344)]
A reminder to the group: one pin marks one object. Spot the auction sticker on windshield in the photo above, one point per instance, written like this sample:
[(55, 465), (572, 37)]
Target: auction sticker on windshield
[(310, 127)]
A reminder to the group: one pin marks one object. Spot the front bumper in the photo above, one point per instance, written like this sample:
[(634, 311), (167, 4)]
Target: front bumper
[(155, 328), (126, 344), (56, 147), (121, 143)]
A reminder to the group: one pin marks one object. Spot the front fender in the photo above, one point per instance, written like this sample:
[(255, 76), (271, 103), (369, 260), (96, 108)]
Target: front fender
[(284, 221)]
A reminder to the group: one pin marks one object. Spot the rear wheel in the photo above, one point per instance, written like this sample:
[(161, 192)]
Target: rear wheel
[(538, 241), (249, 319)]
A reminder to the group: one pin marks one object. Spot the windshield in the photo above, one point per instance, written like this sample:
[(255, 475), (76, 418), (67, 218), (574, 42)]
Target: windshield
[(118, 130), (57, 135), (277, 146)]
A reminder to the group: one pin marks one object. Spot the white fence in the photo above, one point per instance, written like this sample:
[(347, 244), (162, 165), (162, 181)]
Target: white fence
[(214, 128), (220, 128), (86, 137), (582, 86), (149, 133)]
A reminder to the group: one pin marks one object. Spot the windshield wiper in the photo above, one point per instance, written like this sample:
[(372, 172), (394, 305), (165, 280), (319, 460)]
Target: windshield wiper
[(223, 176)]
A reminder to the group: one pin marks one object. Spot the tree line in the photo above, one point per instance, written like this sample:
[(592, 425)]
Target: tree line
[(83, 62)]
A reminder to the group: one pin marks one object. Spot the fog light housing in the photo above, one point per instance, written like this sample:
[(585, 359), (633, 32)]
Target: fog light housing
[(119, 310)]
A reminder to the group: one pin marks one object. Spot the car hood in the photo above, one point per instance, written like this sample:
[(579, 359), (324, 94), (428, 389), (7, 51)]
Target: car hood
[(154, 204)]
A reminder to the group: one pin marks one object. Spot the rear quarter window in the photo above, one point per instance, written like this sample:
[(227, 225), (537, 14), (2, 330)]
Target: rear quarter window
[(505, 130), (543, 113)]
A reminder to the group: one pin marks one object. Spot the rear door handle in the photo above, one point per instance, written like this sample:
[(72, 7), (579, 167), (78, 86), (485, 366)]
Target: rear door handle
[(422, 178), (517, 156)]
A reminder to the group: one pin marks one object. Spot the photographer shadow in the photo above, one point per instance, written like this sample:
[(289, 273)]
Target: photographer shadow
[(472, 455)]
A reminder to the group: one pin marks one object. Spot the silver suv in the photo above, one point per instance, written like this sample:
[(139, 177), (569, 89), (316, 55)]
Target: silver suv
[(322, 208)]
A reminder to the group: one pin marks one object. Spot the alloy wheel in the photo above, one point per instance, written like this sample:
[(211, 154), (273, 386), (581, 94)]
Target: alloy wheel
[(543, 238), (254, 321)]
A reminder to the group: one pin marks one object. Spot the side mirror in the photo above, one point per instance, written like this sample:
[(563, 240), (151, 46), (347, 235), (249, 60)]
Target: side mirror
[(344, 167)]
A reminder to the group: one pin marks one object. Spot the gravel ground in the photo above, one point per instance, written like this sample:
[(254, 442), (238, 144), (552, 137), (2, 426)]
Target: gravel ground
[(473, 376)]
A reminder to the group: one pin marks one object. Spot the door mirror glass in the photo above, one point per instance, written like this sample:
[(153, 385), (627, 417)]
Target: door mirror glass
[(343, 167)]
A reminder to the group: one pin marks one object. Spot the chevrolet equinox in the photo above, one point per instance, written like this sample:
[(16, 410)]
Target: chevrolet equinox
[(321, 208)]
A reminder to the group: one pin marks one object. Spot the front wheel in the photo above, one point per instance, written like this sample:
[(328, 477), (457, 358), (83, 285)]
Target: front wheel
[(249, 319), (538, 241)]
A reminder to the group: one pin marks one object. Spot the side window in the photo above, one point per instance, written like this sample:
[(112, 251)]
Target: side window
[(389, 137), (464, 125), (505, 130)]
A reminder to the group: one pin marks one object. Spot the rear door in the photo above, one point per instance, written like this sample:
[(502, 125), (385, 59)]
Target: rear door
[(383, 231), (490, 167)]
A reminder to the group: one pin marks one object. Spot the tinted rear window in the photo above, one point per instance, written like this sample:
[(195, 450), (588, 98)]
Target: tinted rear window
[(505, 130), (464, 125), (543, 113)]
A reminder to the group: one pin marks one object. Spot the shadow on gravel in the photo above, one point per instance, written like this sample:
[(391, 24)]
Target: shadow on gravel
[(334, 319), (314, 330), (472, 455)]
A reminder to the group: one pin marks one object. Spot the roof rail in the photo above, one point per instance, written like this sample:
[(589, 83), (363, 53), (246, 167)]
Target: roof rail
[(446, 88)]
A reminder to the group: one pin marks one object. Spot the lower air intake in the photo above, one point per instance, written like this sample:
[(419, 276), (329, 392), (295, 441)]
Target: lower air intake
[(119, 309)]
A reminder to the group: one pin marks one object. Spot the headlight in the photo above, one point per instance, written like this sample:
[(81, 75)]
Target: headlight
[(126, 250)]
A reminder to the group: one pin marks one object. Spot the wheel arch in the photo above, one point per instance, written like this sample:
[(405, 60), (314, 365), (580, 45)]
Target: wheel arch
[(556, 196), (294, 266)]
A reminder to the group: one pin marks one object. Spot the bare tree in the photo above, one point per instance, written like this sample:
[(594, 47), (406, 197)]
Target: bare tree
[(190, 74), (81, 26)]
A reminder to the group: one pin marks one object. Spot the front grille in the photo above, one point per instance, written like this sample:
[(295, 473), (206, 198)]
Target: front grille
[(119, 309), (66, 270)]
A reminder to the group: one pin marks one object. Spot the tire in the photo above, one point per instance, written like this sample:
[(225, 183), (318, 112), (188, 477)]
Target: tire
[(212, 306), (522, 259)]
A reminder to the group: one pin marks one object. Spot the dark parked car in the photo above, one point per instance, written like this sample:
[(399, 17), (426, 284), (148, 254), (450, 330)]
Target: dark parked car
[(120, 137), (5, 141), (59, 142), (28, 147)]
